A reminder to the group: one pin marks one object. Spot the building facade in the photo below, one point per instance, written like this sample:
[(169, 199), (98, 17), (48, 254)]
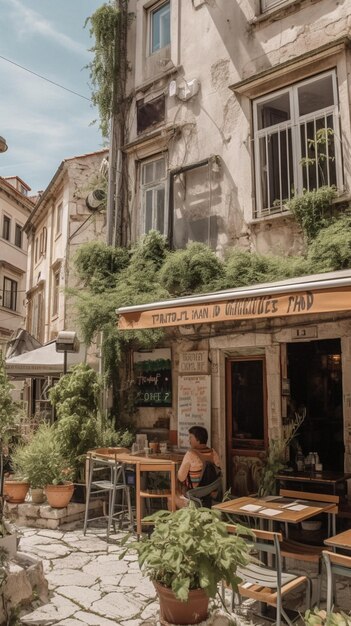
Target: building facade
[(235, 108), (15, 208)]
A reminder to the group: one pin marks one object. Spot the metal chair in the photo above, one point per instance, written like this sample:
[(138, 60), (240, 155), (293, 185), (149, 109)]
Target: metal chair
[(204, 496), (336, 565), (112, 486), (267, 584)]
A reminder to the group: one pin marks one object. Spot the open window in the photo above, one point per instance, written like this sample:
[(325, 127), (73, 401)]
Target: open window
[(297, 142)]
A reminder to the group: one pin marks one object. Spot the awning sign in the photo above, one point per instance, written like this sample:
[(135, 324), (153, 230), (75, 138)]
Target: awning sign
[(255, 307)]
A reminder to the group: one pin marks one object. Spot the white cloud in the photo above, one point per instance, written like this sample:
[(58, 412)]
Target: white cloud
[(29, 22)]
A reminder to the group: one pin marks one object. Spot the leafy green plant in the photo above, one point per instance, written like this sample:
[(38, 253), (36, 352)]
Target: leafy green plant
[(191, 549), (275, 459), (331, 249), (319, 617), (312, 210), (320, 146), (195, 269), (41, 459)]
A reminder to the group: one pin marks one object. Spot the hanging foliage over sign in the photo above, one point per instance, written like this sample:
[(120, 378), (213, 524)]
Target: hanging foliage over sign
[(153, 377)]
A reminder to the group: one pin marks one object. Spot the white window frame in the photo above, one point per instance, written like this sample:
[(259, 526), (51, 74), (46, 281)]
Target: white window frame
[(58, 219), (152, 12), (294, 125), (269, 5), (10, 294), (154, 185)]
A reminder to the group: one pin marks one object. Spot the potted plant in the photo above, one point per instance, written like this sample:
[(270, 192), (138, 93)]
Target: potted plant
[(319, 617), (188, 554), (42, 461)]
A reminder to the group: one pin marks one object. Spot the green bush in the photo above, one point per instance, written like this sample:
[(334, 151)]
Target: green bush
[(331, 250), (193, 270), (312, 210)]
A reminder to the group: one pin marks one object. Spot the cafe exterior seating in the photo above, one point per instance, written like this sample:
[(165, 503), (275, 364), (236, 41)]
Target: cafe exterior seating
[(203, 496), (336, 565)]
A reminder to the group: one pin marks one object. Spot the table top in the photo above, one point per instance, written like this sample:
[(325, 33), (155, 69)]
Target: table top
[(277, 508), (342, 540), (314, 477), (125, 456)]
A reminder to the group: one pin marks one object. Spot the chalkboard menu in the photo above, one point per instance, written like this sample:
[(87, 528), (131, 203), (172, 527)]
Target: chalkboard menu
[(194, 406), (153, 377)]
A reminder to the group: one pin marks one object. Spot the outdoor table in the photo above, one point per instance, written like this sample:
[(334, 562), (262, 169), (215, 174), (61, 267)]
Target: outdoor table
[(341, 540), (312, 479), (274, 508)]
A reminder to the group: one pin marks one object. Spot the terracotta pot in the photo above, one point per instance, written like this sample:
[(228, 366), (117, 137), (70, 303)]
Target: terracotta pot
[(194, 611), (37, 495), (15, 491), (59, 495)]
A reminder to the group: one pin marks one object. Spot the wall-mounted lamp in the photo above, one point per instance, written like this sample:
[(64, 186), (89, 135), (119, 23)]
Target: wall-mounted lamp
[(66, 341)]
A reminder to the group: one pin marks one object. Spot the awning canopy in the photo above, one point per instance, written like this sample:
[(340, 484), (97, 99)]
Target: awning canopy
[(318, 293), (44, 361)]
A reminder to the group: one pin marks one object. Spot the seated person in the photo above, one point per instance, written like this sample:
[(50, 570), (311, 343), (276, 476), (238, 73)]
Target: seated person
[(191, 469)]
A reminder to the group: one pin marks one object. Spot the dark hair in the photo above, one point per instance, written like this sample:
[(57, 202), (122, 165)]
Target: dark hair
[(200, 433)]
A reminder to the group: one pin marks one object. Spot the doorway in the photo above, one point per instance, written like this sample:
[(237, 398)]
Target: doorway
[(315, 374)]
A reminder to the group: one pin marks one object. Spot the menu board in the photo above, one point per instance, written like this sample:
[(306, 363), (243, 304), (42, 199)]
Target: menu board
[(194, 406), (153, 377)]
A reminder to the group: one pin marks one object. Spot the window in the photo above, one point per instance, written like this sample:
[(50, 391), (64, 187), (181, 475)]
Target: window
[(6, 228), (58, 218), (266, 5), (42, 242), (160, 27), (36, 245), (297, 145), (18, 236), (35, 316), (150, 113), (9, 298), (153, 189), (55, 291)]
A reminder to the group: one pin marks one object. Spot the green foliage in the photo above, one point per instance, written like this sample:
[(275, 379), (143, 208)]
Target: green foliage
[(319, 617), (41, 459), (331, 249), (195, 269), (312, 210), (244, 268), (276, 456), (8, 408), (76, 400), (98, 265), (318, 147), (104, 25), (191, 549)]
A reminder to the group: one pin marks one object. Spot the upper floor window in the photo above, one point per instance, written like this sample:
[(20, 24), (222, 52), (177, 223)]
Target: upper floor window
[(58, 218), (6, 227), (9, 299), (297, 142), (153, 190), (55, 291), (18, 236), (160, 27), (266, 5)]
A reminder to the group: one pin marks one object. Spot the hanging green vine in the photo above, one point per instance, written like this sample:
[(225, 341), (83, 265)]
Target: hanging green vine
[(108, 26)]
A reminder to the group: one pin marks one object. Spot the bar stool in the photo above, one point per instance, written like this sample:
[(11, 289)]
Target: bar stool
[(98, 465)]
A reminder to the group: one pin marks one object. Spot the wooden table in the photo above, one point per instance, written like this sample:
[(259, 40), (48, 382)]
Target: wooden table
[(311, 479), (166, 462), (274, 509), (342, 540)]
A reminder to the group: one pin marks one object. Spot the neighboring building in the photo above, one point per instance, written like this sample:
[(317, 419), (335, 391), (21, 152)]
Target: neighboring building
[(228, 102), (15, 208), (59, 223)]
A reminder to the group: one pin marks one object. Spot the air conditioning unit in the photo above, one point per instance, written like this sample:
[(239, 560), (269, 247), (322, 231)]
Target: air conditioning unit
[(95, 199)]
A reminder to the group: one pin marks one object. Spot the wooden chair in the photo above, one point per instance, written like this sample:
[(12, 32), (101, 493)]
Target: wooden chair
[(140, 494), (336, 565), (269, 584), (305, 552)]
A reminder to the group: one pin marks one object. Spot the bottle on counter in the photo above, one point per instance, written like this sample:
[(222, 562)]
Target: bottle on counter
[(300, 461)]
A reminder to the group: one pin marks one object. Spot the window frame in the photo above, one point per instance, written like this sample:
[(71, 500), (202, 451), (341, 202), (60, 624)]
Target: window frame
[(294, 124), (154, 185), (18, 229), (155, 9), (272, 4), (13, 291), (58, 219), (6, 226), (55, 291)]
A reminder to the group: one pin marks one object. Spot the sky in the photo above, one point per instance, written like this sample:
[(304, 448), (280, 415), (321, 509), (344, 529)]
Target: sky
[(43, 124)]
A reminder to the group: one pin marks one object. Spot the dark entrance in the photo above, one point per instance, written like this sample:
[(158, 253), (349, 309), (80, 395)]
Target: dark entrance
[(314, 370)]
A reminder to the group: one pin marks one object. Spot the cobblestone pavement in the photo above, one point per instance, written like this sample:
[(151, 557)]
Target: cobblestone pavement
[(90, 585)]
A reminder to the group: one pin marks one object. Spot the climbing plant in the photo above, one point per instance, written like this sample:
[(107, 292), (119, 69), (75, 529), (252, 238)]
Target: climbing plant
[(312, 210)]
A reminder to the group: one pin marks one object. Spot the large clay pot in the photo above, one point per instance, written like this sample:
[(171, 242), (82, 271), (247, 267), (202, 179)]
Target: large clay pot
[(194, 611), (59, 496), (15, 491)]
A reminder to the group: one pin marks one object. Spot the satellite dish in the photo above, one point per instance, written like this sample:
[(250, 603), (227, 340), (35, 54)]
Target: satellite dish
[(95, 199)]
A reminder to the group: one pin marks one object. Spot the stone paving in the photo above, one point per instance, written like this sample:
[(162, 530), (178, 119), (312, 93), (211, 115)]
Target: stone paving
[(89, 585)]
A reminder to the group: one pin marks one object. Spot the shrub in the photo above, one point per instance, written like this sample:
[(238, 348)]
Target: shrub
[(195, 269)]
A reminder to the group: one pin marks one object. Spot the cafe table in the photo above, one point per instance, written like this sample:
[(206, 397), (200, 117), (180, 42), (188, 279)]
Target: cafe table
[(274, 508), (341, 540), (308, 480)]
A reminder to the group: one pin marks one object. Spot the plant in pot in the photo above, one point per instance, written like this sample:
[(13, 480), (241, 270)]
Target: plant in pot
[(188, 554), (42, 461)]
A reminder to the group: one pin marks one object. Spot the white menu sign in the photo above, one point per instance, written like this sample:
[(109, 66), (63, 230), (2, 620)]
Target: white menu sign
[(194, 406)]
